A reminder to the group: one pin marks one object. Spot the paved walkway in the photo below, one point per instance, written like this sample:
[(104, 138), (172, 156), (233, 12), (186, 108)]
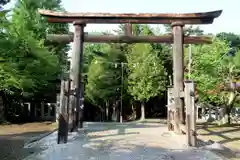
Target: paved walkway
[(114, 141)]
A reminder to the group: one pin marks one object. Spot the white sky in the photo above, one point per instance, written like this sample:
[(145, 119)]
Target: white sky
[(227, 22)]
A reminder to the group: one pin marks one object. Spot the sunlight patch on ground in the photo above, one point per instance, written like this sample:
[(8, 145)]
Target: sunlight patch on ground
[(27, 128)]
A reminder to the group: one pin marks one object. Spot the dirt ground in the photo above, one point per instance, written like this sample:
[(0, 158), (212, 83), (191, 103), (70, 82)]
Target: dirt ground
[(13, 137)]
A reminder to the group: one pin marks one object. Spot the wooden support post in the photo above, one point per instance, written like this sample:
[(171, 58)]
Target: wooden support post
[(194, 115), (81, 98), (68, 110), (178, 73), (62, 120), (75, 72), (190, 113), (61, 98), (170, 118), (57, 106)]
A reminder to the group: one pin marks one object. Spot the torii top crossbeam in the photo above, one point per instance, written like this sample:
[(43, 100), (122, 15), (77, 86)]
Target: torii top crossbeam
[(141, 18)]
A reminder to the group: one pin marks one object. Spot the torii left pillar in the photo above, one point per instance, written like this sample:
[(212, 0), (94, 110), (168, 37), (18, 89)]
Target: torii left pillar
[(76, 69)]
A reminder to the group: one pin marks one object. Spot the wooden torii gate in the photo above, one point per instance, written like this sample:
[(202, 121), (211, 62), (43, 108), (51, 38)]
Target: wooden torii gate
[(179, 92)]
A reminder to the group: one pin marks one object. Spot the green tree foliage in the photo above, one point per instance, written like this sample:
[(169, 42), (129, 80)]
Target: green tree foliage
[(26, 11), (233, 39), (147, 75), (214, 70), (30, 62), (146, 64), (104, 76), (92, 51), (207, 66)]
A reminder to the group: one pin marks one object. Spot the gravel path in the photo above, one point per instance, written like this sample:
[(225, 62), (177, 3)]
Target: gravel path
[(114, 141)]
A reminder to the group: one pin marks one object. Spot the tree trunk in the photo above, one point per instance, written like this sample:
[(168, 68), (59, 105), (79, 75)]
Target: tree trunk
[(107, 111), (3, 107), (142, 111), (2, 118), (133, 116), (228, 115), (107, 114), (99, 114), (114, 113), (223, 116), (226, 119), (231, 101)]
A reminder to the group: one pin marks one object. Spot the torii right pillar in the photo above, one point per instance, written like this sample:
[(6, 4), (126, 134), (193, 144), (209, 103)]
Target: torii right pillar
[(178, 74)]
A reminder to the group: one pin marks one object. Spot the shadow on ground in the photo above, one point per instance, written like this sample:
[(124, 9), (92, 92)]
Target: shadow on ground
[(11, 146), (224, 140), (136, 152), (105, 141), (13, 137), (220, 150), (120, 128)]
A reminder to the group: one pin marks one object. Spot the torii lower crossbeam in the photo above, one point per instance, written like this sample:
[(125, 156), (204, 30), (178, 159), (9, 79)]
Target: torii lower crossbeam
[(67, 38)]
